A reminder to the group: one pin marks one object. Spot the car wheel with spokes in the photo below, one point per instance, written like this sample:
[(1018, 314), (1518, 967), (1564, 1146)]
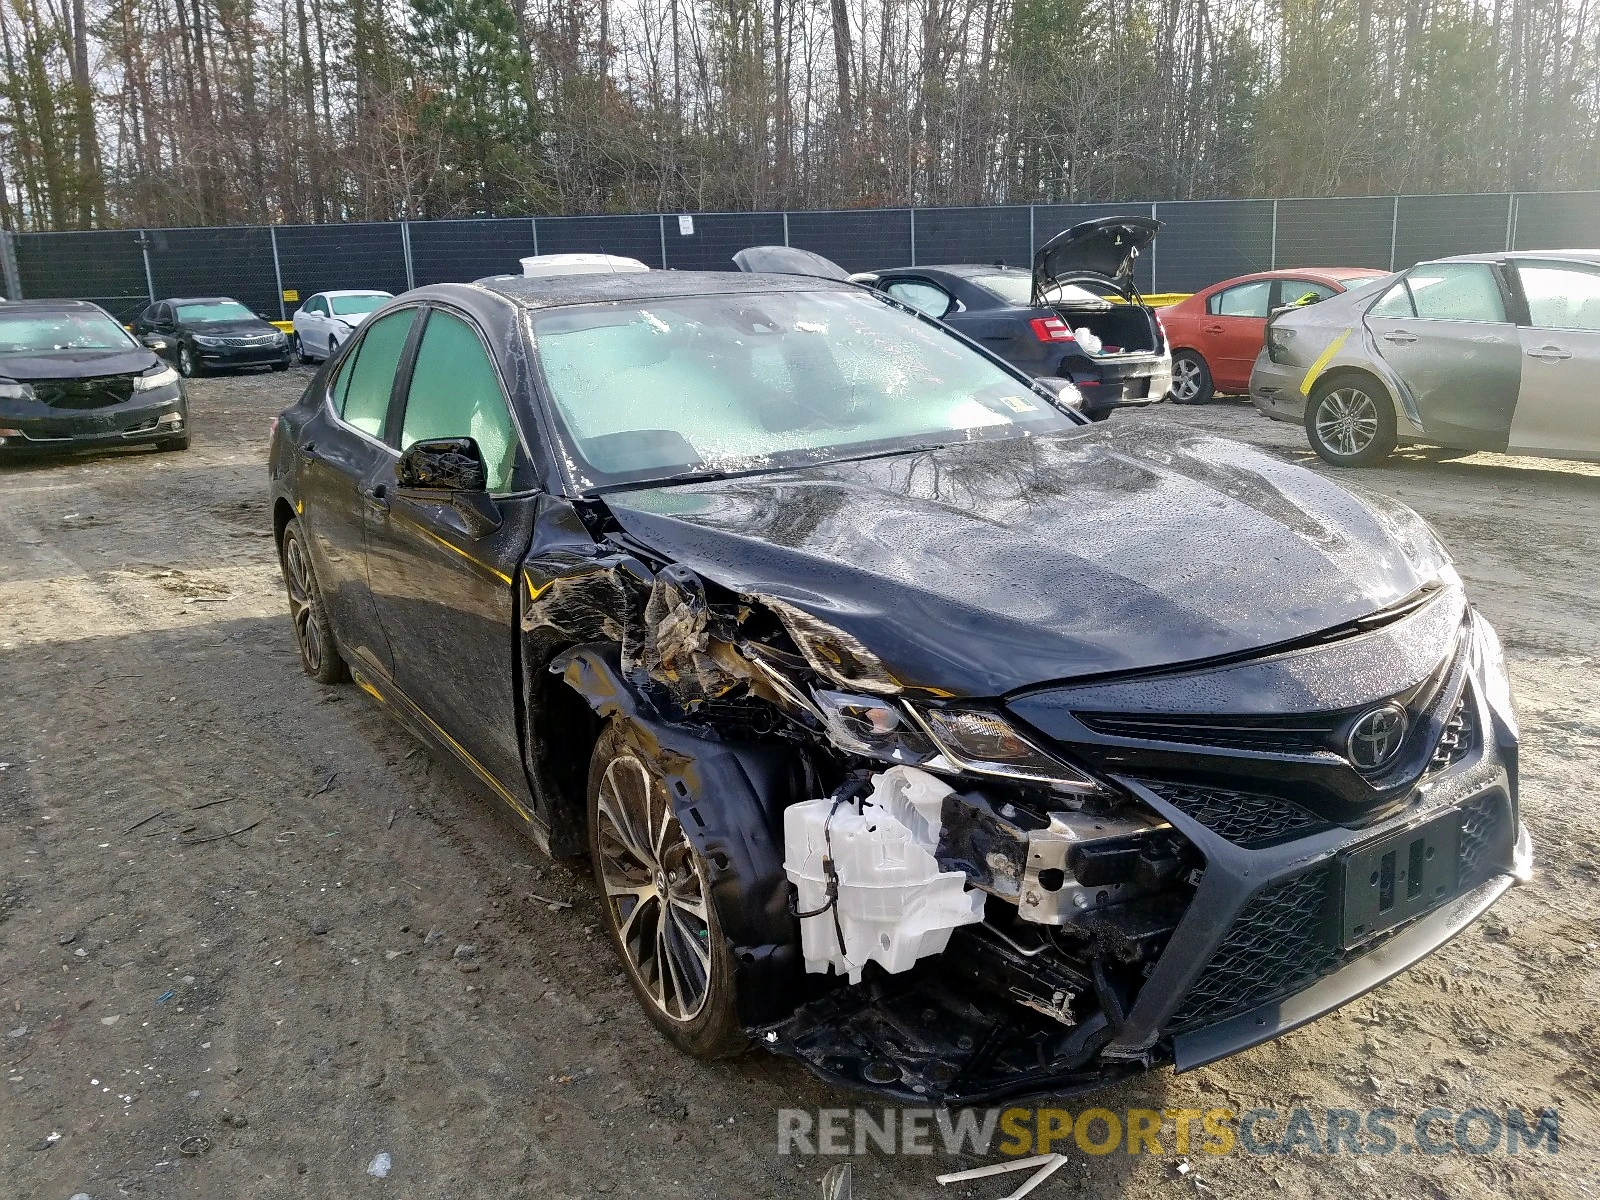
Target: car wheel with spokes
[(188, 364), (1350, 422), (1191, 379), (313, 632), (298, 349), (656, 899)]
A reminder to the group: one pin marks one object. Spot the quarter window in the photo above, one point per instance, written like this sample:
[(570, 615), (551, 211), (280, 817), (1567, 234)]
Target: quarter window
[(1456, 292), (1561, 296), (1246, 300), (361, 393), (1396, 302), (456, 393), (923, 297)]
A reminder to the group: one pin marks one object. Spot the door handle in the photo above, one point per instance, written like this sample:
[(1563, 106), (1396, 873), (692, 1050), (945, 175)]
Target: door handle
[(1400, 337), (1549, 354), (378, 497), (1211, 329)]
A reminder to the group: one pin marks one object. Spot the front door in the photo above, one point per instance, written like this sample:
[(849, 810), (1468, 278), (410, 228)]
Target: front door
[(1558, 409), (444, 595), (1231, 333), (344, 457), (1444, 331)]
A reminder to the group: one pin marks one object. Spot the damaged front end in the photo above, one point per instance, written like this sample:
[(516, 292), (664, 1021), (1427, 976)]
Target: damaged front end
[(959, 900)]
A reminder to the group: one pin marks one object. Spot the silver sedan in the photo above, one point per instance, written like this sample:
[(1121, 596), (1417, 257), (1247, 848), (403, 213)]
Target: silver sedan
[(1479, 352)]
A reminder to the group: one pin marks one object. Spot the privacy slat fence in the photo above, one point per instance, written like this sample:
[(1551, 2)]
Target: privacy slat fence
[(1202, 241)]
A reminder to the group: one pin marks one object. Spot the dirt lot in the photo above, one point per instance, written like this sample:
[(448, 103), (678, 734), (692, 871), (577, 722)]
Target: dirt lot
[(289, 997)]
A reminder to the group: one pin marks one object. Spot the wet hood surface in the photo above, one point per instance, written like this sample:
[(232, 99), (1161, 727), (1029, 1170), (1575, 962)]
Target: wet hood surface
[(243, 327), (990, 566), (77, 364)]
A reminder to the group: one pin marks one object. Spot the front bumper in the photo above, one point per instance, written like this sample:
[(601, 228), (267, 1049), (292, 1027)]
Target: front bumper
[(28, 425), (1404, 949), (227, 358), (1275, 390)]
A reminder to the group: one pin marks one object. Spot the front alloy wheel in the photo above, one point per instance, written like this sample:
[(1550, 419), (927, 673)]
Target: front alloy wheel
[(656, 900), (188, 364), (1350, 424), (312, 630)]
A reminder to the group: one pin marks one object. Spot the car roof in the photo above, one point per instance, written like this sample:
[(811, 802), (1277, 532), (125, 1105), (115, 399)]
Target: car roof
[(356, 292), (20, 306), (1590, 256), (1334, 275), (555, 290), (197, 300), (965, 270)]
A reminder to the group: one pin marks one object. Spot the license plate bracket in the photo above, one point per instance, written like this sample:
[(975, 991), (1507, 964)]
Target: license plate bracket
[(1395, 878)]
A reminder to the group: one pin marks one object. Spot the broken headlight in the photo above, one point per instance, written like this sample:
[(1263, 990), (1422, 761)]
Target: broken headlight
[(986, 744), (872, 726)]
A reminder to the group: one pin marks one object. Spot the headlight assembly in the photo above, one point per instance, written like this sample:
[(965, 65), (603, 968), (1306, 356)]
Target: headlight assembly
[(206, 341), (986, 744), (15, 391), (873, 727), (146, 383)]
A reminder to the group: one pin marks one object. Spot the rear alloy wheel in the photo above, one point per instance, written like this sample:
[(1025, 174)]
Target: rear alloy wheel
[(657, 905), (1350, 422), (188, 364), (1191, 379), (313, 632)]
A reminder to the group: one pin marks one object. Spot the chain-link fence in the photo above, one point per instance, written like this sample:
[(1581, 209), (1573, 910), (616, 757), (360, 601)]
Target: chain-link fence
[(271, 268)]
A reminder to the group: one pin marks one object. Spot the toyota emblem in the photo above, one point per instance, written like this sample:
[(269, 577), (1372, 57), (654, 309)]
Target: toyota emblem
[(1376, 736)]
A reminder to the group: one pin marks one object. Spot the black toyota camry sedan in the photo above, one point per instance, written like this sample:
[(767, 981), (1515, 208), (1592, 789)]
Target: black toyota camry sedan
[(71, 378), (212, 333), (914, 726)]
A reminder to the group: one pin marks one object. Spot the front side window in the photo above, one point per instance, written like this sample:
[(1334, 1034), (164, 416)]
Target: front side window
[(647, 389), (41, 333), (361, 392), (213, 310), (1246, 300), (924, 297), (316, 307), (1456, 292), (455, 393), (1561, 295)]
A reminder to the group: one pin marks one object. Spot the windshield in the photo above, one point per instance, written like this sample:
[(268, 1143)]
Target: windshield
[(214, 310), (40, 333), (707, 384), (351, 306)]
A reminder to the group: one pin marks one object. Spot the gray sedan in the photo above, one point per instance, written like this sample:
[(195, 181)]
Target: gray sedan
[(1480, 352)]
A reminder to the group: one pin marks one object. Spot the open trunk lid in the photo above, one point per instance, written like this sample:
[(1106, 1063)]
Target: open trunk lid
[(1102, 249)]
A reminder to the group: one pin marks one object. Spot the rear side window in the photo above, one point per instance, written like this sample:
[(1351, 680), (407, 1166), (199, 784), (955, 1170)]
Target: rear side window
[(1246, 300), (1396, 302), (456, 393), (1456, 292), (1303, 291), (361, 393), (1561, 296)]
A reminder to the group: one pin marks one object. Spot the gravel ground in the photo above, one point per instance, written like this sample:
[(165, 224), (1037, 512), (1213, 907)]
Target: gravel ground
[(232, 902)]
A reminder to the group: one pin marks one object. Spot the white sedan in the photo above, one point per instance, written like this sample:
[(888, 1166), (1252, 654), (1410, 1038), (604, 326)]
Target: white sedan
[(325, 321)]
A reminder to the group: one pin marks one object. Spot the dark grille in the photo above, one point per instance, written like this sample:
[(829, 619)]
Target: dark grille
[(1273, 735), (1484, 826), (1459, 736), (98, 392), (1280, 943), (255, 339), (1244, 818)]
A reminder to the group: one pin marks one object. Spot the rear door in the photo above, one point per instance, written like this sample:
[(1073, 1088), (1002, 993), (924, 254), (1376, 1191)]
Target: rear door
[(444, 595), (1231, 332), (344, 455), (1558, 407), (1444, 330)]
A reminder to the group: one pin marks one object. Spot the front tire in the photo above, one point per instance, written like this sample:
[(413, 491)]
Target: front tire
[(313, 632), (1191, 379), (298, 348), (655, 895), (188, 364), (1350, 422), (181, 442)]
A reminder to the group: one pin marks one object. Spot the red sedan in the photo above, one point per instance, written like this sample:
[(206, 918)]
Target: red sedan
[(1216, 333)]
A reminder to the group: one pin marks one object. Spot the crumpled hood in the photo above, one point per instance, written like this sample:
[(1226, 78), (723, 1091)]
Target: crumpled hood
[(990, 566), (77, 364)]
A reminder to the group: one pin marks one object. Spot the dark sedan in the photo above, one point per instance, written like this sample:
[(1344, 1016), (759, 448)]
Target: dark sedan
[(914, 727), (212, 333), (72, 378)]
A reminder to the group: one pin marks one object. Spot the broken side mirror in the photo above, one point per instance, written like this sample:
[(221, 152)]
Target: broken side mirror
[(451, 471)]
